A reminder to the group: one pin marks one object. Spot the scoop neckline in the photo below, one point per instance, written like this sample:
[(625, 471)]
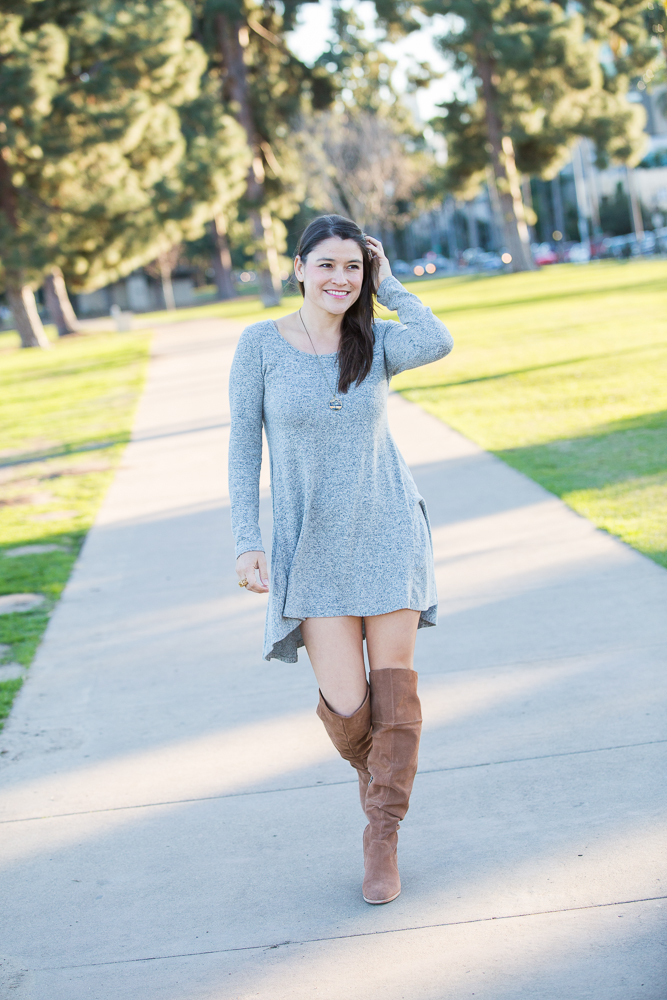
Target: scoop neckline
[(296, 350)]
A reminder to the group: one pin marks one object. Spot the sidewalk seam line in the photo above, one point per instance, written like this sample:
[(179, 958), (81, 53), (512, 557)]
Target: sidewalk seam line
[(324, 784), (360, 934)]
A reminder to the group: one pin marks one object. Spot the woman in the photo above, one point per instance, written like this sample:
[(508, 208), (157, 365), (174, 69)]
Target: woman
[(352, 554)]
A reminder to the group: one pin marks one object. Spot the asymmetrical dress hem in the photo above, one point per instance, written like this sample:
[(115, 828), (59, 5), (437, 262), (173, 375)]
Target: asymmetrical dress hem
[(351, 534)]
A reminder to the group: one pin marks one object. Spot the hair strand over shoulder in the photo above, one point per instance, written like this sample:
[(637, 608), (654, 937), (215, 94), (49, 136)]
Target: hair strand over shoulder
[(357, 340)]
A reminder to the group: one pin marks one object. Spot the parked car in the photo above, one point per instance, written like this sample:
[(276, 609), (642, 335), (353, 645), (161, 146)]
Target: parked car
[(441, 262), (490, 261), (470, 256), (579, 253), (620, 246), (543, 253), (481, 260), (647, 243), (400, 267), (422, 267), (653, 241), (661, 239)]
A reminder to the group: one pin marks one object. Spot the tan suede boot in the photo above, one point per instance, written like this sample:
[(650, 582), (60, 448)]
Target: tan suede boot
[(397, 722), (351, 736)]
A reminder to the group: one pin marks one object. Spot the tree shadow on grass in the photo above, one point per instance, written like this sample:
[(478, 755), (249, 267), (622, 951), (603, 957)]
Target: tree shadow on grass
[(625, 461), (65, 449), (418, 387), (558, 295), (616, 452)]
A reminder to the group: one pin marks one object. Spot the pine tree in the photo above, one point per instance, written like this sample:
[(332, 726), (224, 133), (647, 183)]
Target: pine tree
[(189, 164), (265, 86), (655, 76), (534, 81), (32, 63), (114, 147)]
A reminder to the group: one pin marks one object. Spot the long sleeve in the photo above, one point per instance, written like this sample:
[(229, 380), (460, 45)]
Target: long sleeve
[(419, 338), (246, 396)]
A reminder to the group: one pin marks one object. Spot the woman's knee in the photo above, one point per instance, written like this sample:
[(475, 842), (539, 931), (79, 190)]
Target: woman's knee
[(391, 662), (335, 649)]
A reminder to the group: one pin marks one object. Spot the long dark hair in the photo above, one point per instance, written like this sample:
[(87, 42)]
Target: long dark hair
[(355, 354)]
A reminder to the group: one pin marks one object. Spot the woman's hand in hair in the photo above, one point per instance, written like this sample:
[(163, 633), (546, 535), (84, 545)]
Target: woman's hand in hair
[(251, 566), (384, 268)]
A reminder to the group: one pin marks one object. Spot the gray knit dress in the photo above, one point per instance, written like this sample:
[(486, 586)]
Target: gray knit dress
[(350, 531)]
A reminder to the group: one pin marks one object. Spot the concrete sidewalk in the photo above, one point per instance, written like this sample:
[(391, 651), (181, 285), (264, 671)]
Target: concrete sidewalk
[(176, 825)]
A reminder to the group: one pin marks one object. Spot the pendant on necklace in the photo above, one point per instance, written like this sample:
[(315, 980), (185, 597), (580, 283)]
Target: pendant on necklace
[(335, 403)]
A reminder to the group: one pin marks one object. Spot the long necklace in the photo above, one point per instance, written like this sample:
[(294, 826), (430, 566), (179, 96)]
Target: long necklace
[(335, 403)]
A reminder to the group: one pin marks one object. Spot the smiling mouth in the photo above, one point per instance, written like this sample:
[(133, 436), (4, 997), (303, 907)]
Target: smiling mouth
[(336, 293)]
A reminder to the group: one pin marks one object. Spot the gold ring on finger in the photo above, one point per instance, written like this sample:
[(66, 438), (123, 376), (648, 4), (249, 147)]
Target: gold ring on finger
[(243, 582)]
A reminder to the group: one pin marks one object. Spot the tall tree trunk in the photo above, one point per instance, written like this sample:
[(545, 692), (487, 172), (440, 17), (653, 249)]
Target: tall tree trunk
[(58, 303), (272, 284), (20, 295), (473, 228), (593, 192), (527, 197), (518, 211), (581, 196), (506, 175), (24, 309), (452, 241), (496, 209), (544, 221), (557, 202), (267, 260), (222, 259), (165, 277), (635, 209)]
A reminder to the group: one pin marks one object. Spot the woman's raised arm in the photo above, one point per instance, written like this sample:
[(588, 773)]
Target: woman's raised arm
[(419, 338)]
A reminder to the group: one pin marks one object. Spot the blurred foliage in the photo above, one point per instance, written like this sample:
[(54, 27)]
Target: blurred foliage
[(266, 87), (557, 71), (114, 141)]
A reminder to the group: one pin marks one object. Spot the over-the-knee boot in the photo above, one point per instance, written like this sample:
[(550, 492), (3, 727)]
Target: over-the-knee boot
[(397, 721), (351, 736)]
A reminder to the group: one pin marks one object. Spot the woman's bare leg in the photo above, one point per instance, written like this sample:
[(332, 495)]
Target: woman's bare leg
[(335, 649), (390, 639)]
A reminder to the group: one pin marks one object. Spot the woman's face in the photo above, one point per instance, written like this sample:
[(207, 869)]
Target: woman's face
[(332, 274)]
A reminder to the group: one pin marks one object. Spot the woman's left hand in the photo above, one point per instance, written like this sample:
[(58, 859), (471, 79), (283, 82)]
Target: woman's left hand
[(377, 250)]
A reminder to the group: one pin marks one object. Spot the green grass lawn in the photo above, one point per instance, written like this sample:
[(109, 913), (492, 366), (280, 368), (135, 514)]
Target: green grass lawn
[(563, 374), (65, 416)]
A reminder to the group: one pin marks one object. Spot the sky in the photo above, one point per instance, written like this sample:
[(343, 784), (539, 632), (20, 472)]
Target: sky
[(309, 41)]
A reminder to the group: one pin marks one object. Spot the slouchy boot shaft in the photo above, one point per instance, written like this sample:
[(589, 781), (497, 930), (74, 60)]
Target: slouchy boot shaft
[(351, 736), (392, 761)]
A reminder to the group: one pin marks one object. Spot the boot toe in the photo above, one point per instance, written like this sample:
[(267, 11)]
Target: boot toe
[(382, 883), (379, 902)]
